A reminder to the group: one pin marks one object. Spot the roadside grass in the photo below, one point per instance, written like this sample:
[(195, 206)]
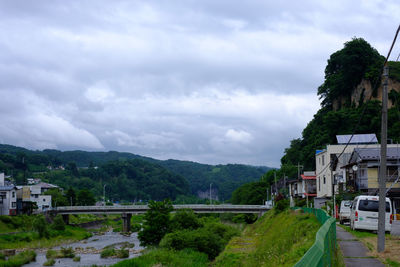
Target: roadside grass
[(390, 256), (274, 240), (31, 240), (167, 258)]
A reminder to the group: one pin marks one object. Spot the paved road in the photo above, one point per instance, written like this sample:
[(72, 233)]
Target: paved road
[(354, 252)]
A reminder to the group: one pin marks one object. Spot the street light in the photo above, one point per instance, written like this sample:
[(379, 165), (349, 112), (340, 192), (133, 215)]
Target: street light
[(104, 194), (210, 193)]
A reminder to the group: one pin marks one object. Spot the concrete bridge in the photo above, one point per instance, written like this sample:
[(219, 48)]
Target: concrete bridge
[(127, 211)]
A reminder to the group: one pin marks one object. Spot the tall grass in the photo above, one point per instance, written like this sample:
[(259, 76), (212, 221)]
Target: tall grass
[(275, 240), (167, 258), (19, 259)]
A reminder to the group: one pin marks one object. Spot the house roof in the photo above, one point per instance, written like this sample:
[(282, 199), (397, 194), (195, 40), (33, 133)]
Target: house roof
[(7, 188), (375, 153)]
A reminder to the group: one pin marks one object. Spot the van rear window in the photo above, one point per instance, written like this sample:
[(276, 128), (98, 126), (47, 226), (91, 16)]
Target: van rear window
[(371, 205)]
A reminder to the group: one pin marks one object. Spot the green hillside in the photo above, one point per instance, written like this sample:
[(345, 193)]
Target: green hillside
[(138, 177)]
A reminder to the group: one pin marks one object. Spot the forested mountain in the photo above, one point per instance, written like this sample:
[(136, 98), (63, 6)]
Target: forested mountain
[(129, 175), (224, 178)]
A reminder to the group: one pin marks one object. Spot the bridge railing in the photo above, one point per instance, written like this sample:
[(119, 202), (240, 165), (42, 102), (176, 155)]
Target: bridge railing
[(322, 252)]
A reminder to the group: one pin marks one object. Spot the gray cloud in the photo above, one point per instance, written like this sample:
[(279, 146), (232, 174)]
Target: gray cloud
[(209, 81)]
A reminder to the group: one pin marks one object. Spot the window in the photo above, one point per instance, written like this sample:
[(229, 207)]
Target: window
[(319, 183), (13, 194), (324, 179), (14, 204), (371, 205), (323, 160), (44, 200)]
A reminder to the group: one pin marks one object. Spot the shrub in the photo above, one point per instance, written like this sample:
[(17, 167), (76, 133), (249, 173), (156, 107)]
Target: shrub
[(40, 226), (108, 252), (136, 227), (49, 262), (122, 253), (58, 223), (200, 240), (67, 252), (185, 219), (281, 205), (77, 258), (51, 254), (19, 259)]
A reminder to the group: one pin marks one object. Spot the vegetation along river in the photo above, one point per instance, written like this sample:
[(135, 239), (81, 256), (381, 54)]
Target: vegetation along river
[(89, 250)]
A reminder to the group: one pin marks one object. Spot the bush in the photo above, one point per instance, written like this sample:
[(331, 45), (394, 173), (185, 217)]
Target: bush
[(58, 223), (185, 219), (40, 226), (76, 258), (108, 252), (67, 252), (51, 254), (200, 240), (19, 259), (281, 205), (136, 227), (122, 253), (49, 262)]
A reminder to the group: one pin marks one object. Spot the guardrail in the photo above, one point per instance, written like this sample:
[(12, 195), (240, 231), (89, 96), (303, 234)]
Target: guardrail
[(322, 252), (144, 208)]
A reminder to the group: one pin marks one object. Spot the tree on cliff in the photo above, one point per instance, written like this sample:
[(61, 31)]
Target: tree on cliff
[(347, 67)]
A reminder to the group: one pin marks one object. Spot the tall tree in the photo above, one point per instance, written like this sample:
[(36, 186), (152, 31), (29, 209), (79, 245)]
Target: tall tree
[(156, 224)]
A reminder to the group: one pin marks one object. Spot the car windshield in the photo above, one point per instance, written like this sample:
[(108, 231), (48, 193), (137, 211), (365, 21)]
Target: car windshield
[(371, 205)]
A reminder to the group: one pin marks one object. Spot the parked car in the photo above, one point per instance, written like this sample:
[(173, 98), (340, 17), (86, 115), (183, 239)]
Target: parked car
[(344, 213), (364, 213)]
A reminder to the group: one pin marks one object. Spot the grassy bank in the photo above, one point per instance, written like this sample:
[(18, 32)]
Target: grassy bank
[(20, 232), (274, 240)]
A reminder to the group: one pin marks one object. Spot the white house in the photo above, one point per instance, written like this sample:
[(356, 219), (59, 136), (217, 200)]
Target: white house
[(8, 198), (330, 163)]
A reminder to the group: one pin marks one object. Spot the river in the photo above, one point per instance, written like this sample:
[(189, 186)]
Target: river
[(89, 250)]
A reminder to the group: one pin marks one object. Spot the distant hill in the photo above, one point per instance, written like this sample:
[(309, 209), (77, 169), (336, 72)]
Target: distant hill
[(224, 178)]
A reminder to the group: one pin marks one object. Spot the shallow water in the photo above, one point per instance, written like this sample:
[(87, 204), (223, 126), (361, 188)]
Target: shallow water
[(89, 251)]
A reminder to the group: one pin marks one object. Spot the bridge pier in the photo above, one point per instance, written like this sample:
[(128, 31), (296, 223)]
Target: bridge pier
[(126, 222), (66, 218)]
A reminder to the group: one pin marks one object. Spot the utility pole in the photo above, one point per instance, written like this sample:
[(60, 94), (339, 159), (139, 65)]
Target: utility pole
[(210, 192), (382, 171), (276, 186)]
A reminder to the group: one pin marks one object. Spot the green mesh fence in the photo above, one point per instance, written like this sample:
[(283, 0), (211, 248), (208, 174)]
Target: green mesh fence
[(322, 252)]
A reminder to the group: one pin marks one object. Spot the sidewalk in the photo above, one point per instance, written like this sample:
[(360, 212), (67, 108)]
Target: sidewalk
[(354, 252)]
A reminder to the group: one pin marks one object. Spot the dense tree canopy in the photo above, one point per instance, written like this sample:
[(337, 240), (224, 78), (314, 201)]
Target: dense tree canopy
[(347, 67)]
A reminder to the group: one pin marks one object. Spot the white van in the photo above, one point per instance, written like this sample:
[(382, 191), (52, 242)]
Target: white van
[(364, 213), (344, 213)]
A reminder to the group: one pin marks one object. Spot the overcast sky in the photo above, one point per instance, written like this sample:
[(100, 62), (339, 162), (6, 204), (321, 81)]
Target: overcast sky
[(212, 81)]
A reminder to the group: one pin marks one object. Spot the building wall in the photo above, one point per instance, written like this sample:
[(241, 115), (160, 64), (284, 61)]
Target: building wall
[(324, 189), (373, 179)]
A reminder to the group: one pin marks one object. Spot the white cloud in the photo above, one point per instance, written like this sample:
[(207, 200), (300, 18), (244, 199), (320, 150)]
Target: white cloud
[(210, 81), (239, 136)]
